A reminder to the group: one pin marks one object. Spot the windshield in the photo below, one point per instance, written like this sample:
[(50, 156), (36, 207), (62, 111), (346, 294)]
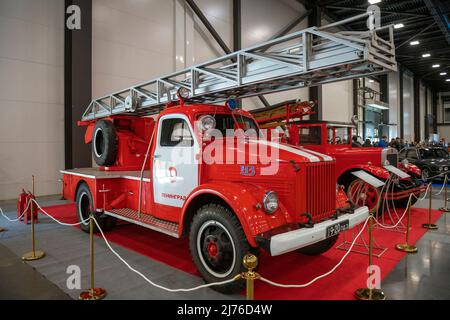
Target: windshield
[(226, 122), (338, 135), (433, 153)]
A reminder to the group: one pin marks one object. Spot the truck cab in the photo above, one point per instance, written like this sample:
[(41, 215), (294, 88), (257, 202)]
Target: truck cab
[(198, 171)]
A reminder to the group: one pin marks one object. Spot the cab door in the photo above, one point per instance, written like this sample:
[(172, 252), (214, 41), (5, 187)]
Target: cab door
[(175, 165)]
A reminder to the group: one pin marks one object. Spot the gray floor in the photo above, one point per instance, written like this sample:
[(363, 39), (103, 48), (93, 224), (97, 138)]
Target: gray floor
[(425, 275), (66, 246), (421, 276)]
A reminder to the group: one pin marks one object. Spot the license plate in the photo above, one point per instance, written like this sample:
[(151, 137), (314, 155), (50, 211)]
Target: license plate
[(337, 228)]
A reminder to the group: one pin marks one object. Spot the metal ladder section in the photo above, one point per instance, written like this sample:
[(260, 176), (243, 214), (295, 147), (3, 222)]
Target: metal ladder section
[(306, 58)]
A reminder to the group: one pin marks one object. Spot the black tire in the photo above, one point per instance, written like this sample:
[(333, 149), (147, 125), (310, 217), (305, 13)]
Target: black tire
[(426, 174), (215, 226), (85, 207), (319, 247), (104, 143)]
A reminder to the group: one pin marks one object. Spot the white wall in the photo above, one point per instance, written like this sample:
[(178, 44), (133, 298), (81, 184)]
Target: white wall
[(423, 109), (338, 101), (31, 95), (394, 104), (161, 36), (133, 41), (408, 106)]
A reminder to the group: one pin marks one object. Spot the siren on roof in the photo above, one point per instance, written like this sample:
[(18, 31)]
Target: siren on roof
[(232, 103)]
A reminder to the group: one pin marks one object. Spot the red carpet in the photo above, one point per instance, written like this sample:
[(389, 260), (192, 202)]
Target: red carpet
[(291, 268)]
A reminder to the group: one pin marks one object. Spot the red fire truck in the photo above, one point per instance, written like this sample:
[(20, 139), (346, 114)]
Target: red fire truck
[(335, 139), (226, 210)]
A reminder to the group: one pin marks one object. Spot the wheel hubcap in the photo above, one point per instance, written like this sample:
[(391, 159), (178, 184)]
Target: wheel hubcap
[(216, 249), (84, 207), (364, 195)]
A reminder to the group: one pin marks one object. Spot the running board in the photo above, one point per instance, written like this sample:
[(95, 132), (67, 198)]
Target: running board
[(146, 221)]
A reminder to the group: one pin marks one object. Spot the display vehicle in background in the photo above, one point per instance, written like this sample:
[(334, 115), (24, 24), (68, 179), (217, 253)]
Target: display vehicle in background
[(433, 161), (226, 209), (335, 140)]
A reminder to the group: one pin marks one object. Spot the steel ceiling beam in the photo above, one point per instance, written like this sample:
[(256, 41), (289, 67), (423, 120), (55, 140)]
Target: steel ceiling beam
[(416, 35), (208, 26), (437, 10), (237, 25), (409, 14)]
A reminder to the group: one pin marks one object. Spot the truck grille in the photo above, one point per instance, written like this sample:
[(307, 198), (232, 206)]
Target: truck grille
[(321, 190)]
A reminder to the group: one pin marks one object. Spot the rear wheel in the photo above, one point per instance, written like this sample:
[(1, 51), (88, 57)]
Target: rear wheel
[(363, 194), (319, 247), (85, 206), (218, 246)]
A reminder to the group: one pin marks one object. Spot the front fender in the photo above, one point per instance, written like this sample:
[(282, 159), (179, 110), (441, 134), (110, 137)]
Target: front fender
[(243, 199), (413, 169), (376, 171)]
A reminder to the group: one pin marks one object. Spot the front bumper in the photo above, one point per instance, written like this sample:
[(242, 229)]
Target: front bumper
[(300, 238)]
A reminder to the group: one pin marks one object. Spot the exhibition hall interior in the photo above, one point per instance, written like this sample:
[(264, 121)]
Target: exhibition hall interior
[(224, 150)]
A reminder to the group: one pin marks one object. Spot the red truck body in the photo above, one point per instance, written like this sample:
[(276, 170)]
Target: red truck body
[(173, 196)]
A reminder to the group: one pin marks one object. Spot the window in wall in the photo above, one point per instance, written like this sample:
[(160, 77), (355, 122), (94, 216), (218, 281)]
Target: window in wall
[(447, 112)]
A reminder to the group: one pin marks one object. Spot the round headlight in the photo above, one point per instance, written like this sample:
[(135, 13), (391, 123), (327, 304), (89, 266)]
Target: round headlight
[(270, 202), (405, 162), (445, 168), (206, 123), (441, 169), (387, 163)]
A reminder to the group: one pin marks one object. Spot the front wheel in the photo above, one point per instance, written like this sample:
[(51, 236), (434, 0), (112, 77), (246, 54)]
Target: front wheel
[(319, 247), (426, 174), (218, 246), (363, 194)]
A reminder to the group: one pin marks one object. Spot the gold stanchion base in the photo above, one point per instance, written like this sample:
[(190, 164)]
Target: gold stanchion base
[(444, 209), (31, 256), (430, 226), (364, 294), (406, 248), (93, 294), (3, 230)]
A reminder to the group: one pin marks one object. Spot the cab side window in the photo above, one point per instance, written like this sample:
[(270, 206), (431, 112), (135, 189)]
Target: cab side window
[(311, 136), (176, 133)]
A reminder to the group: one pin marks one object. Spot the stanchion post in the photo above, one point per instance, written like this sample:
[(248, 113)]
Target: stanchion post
[(430, 225), (406, 247), (34, 254), (370, 293), (445, 208), (93, 293), (250, 263)]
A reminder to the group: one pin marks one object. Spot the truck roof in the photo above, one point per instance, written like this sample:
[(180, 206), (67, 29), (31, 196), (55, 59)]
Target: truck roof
[(332, 123), (192, 109)]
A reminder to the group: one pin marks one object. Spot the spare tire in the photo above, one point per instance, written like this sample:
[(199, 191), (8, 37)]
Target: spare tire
[(104, 143)]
